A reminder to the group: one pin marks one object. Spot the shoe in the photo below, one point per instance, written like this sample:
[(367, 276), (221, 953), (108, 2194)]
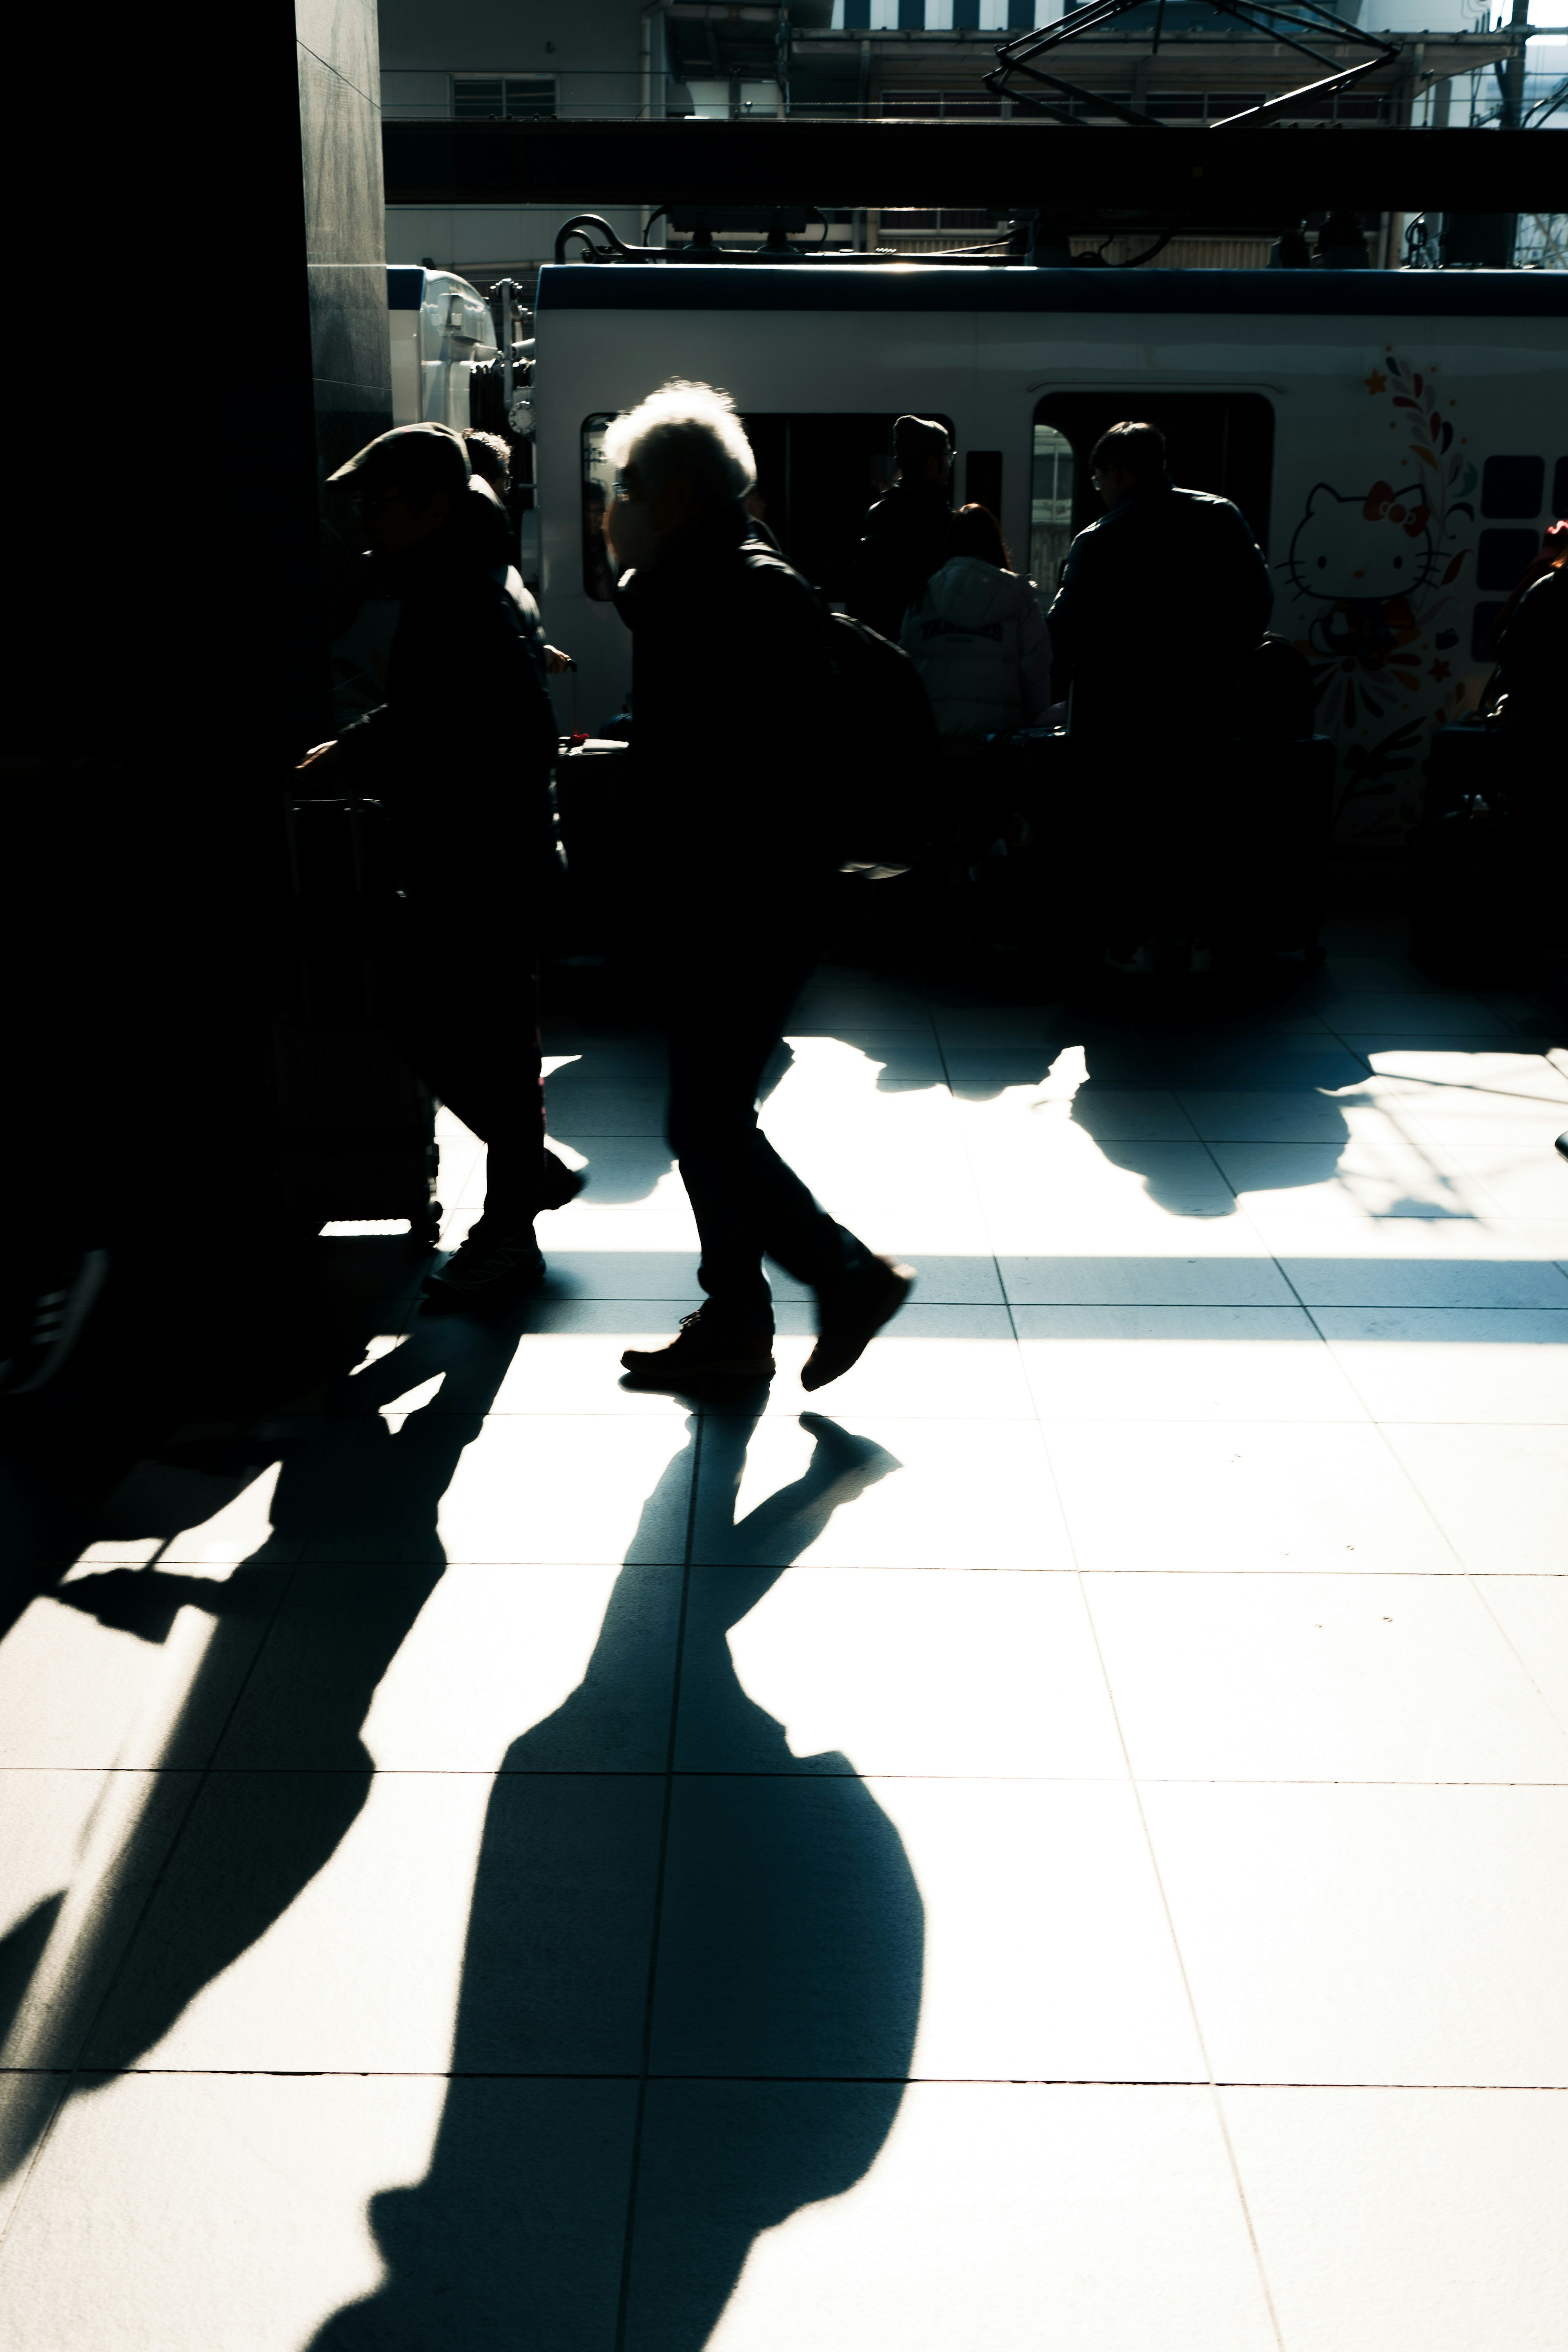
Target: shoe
[(1562, 1143), (491, 1270), (704, 1350), (852, 1317)]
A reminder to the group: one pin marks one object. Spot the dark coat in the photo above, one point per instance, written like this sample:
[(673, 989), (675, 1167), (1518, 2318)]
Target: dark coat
[(904, 541), (1531, 646), (460, 752), (1159, 601), (733, 706)]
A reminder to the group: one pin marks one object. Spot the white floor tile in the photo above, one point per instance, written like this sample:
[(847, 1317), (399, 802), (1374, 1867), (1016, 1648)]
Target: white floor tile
[(320, 1922), (131, 1667), (1445, 1276), (1352, 1179), (1370, 1935), (257, 2213), (1466, 1072), (1534, 1613), (1456, 1364), (893, 1671), (1287, 1115), (1069, 1173), (1181, 1363), (527, 1487), (1499, 1494), (478, 1669), (191, 1518), (1126, 1281), (1349, 1677), (953, 1362), (1242, 1497), (1410, 2220), (1084, 2220), (791, 1935), (880, 1493)]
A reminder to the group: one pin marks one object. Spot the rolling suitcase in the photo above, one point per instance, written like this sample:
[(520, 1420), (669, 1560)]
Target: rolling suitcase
[(354, 1128)]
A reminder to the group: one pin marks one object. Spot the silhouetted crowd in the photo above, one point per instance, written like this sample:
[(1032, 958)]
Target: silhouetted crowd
[(777, 742)]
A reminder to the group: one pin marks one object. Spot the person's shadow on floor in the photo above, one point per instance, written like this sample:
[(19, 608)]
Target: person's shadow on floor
[(760, 2066), (307, 1646)]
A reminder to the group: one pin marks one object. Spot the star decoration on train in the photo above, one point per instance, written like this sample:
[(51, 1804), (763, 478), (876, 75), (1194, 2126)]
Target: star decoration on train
[(1375, 383)]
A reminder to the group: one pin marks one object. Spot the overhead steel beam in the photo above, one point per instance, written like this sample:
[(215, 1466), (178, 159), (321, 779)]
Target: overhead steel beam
[(1172, 176)]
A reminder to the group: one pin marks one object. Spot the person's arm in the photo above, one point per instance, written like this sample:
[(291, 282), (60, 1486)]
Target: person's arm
[(1247, 597), (1067, 619)]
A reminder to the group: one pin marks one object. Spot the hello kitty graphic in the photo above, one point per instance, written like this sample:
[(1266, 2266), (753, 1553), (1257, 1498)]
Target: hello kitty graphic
[(1362, 558), (1374, 574)]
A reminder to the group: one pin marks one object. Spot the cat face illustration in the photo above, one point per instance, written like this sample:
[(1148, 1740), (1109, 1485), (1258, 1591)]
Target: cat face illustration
[(1368, 548)]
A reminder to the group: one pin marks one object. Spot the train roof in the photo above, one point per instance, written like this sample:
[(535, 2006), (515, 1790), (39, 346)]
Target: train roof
[(1095, 293)]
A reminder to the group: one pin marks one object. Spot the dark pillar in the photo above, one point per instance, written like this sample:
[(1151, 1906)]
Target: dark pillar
[(217, 339)]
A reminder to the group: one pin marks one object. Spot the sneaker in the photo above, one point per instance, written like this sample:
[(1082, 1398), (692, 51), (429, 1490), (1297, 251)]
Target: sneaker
[(850, 1318), (492, 1268), (704, 1350)]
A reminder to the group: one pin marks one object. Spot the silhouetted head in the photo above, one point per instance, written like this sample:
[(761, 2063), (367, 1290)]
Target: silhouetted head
[(404, 483), (680, 454), (922, 449), (490, 458), (974, 531), (1128, 458)]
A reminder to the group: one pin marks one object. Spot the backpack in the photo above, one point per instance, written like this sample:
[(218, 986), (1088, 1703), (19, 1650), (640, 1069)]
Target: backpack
[(883, 756)]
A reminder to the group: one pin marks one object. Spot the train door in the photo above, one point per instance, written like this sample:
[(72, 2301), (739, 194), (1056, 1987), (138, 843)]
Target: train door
[(1217, 441)]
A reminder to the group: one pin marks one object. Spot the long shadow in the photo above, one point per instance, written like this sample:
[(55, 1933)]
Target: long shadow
[(193, 1877), (755, 2069)]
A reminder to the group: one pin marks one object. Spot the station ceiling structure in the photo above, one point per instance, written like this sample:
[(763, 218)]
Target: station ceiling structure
[(1234, 179)]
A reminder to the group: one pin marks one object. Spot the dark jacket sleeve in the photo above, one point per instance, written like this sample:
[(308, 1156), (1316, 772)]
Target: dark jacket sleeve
[(1246, 596), (1066, 614)]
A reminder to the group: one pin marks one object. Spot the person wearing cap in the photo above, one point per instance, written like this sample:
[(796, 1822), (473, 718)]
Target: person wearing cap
[(471, 816), (905, 536)]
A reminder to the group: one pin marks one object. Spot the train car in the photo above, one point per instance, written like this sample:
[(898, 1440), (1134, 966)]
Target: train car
[(1398, 441)]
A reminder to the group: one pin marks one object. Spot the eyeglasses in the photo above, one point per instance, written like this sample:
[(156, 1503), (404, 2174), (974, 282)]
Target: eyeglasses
[(623, 492)]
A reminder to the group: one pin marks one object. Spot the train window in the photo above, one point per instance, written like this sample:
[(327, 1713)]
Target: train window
[(816, 478), (598, 479), (1512, 486), (1217, 441), (1560, 489), (1050, 507), (1502, 555)]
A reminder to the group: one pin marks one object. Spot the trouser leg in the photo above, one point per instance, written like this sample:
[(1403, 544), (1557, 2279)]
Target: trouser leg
[(471, 1030), (723, 1026)]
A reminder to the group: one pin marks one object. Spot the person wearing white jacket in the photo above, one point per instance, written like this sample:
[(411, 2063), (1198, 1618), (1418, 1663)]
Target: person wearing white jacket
[(978, 637)]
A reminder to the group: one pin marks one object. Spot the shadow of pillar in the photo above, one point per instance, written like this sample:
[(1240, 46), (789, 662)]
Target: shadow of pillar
[(766, 2059)]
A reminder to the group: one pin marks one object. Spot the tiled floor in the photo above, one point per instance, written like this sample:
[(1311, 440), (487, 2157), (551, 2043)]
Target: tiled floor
[(1054, 1844)]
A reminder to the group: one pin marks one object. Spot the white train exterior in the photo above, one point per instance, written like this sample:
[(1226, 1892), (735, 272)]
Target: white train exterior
[(1400, 442)]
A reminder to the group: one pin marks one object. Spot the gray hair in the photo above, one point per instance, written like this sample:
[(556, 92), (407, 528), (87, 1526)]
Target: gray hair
[(685, 428)]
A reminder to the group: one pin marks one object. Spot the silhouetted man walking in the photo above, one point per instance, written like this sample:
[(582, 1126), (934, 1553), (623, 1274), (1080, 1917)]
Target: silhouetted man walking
[(734, 703)]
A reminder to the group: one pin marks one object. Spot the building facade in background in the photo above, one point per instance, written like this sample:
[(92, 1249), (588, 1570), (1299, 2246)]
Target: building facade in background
[(868, 60)]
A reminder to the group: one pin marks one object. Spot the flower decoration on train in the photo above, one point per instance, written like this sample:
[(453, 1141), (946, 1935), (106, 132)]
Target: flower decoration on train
[(1376, 571)]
